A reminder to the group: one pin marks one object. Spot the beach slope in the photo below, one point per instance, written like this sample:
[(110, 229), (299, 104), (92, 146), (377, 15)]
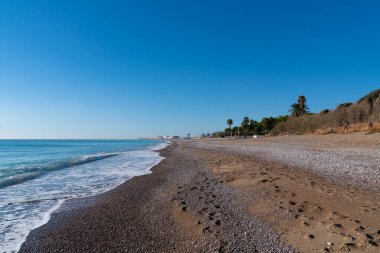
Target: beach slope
[(180, 207), (286, 194)]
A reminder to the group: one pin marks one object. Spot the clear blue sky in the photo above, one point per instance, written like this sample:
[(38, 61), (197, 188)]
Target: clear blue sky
[(125, 69)]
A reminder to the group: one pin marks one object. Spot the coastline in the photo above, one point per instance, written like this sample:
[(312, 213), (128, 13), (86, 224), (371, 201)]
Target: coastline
[(40, 240), (66, 206), (160, 212), (205, 198)]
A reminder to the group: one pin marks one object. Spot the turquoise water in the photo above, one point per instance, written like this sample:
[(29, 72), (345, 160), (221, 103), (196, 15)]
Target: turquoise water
[(36, 176)]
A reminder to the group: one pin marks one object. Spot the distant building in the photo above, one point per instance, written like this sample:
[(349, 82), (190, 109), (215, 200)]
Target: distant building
[(168, 137)]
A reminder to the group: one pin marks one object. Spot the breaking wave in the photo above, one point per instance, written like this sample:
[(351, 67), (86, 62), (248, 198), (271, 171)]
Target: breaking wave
[(29, 173)]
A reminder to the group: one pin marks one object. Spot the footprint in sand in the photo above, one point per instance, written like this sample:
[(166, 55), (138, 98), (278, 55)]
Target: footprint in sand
[(212, 214), (360, 228), (207, 229)]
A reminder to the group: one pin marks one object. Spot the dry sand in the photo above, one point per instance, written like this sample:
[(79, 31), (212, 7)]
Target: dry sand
[(234, 196), (180, 207), (319, 211), (350, 158)]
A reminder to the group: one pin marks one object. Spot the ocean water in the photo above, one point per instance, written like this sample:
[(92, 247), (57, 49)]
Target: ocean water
[(37, 176)]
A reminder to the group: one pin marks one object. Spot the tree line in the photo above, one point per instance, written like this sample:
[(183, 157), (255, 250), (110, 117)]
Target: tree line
[(346, 117), (249, 127), (301, 120)]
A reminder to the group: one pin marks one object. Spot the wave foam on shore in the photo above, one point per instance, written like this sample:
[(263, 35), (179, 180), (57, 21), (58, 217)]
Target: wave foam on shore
[(28, 205)]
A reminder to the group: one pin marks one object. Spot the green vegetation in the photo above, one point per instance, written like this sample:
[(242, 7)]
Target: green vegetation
[(365, 110), (301, 120), (249, 127), (300, 108), (230, 122)]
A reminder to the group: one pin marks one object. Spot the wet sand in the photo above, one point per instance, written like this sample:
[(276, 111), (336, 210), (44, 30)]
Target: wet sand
[(180, 207), (223, 196)]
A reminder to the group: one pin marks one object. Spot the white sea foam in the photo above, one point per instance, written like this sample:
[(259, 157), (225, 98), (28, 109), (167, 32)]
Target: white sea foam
[(26, 206), (161, 145), (29, 173)]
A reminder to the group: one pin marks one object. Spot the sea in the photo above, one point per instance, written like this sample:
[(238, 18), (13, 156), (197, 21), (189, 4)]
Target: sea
[(37, 176)]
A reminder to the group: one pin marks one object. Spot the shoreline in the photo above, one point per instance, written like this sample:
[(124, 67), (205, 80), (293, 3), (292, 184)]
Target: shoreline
[(209, 199), (179, 207), (68, 210), (65, 207)]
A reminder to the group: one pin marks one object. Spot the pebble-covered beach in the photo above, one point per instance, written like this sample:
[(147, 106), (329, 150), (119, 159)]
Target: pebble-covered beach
[(353, 159), (283, 194), (180, 207)]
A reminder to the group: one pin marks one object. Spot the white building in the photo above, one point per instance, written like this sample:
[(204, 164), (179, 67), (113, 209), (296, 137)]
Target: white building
[(169, 137)]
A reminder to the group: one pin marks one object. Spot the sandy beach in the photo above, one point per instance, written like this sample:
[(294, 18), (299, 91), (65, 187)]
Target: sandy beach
[(189, 126), (282, 194)]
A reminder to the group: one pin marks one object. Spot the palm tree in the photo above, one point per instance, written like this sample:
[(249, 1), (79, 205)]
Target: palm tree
[(302, 102), (230, 122), (245, 126), (295, 110), (300, 108)]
